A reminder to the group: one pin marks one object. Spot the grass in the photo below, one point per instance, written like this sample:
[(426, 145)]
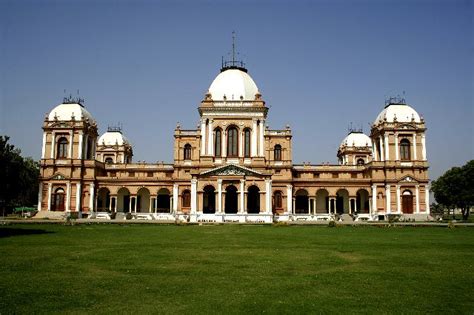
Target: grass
[(235, 269)]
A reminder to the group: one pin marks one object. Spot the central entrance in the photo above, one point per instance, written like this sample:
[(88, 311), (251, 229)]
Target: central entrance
[(253, 200), (209, 200), (231, 199)]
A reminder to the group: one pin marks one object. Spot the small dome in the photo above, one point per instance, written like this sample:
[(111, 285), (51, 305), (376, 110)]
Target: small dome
[(398, 112), (233, 84), (113, 138), (356, 139), (65, 112)]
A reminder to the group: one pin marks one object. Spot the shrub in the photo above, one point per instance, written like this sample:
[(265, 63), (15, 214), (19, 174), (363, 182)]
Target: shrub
[(332, 224)]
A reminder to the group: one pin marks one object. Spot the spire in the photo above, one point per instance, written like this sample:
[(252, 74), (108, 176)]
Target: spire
[(233, 63)]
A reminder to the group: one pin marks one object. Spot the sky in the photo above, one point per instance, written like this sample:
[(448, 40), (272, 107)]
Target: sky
[(319, 65)]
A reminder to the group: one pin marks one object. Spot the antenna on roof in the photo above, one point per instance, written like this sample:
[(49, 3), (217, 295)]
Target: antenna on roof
[(233, 47), (233, 63)]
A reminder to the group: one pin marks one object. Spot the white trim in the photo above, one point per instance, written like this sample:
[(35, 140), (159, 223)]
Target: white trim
[(268, 195), (92, 197), (40, 195), (68, 197), (387, 153), (423, 146), (210, 141), (193, 196), (81, 144), (253, 142), (43, 148), (397, 157), (261, 138), (417, 196), (50, 190), (71, 142), (203, 137), (175, 197), (374, 199), (398, 200), (53, 144), (78, 197), (388, 206), (242, 196), (427, 199), (414, 147), (382, 157), (289, 199), (219, 195)]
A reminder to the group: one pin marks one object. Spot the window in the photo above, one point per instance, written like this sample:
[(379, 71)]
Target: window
[(405, 150), (360, 162), (58, 200), (232, 142), (277, 153), (247, 143), (218, 143), (62, 148), (109, 160), (186, 196), (278, 200), (187, 152), (90, 149)]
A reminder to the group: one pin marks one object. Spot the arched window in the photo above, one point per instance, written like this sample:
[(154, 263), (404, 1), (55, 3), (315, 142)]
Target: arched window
[(58, 200), (187, 152), (247, 142), (232, 142), (90, 149), (62, 148), (109, 160), (186, 199), (277, 152), (405, 150), (218, 142), (278, 200), (360, 162)]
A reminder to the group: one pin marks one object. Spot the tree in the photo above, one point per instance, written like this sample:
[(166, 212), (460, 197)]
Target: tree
[(455, 188), (19, 177)]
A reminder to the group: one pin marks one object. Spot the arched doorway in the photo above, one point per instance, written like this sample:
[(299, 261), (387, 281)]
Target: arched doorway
[(322, 201), (407, 202), (143, 200), (58, 200), (301, 202), (103, 200), (253, 199), (123, 200), (163, 201), (342, 201), (209, 200), (362, 201), (231, 199)]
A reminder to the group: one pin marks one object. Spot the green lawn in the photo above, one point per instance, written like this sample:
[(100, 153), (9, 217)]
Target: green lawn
[(235, 269)]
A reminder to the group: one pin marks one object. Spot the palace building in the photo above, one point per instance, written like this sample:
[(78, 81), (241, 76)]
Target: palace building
[(234, 168)]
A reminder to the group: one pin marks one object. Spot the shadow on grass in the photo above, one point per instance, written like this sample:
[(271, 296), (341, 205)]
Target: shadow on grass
[(8, 232)]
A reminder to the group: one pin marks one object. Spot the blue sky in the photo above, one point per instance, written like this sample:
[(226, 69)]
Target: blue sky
[(319, 65)]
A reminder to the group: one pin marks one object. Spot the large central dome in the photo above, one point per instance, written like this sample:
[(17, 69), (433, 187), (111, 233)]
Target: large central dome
[(233, 85)]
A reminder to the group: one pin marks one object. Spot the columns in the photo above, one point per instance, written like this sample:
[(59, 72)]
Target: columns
[(374, 151), (387, 155), (397, 157), (268, 195), (91, 197), (382, 156), (175, 197), (81, 141), (43, 148), (71, 141), (150, 203), (423, 147), (352, 205), (374, 199), (399, 209), (241, 143), (417, 196), (210, 140), (193, 196), (388, 206), (53, 144), (78, 197), (289, 199), (242, 196), (203, 136), (50, 190), (40, 195), (414, 148), (261, 138), (224, 143), (171, 204), (219, 195), (332, 205), (68, 197), (427, 199), (253, 148)]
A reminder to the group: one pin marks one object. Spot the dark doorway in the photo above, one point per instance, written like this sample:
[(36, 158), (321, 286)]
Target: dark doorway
[(126, 203), (209, 200), (253, 200), (407, 203), (301, 202), (339, 204), (163, 201), (231, 199)]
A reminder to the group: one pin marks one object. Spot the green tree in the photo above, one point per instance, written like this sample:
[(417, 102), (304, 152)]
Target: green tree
[(19, 177), (455, 189)]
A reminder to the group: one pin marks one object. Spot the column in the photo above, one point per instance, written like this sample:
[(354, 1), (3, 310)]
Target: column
[(68, 196), (261, 138), (71, 141), (268, 195), (130, 204), (382, 157), (427, 199), (414, 147), (210, 140), (135, 204), (40, 195), (110, 202), (289, 199), (397, 158), (417, 196), (423, 147), (241, 143), (50, 190), (387, 155), (253, 142), (175, 197), (91, 197), (171, 204), (43, 148), (398, 200), (81, 141), (224, 143), (374, 199), (219, 195), (356, 205), (374, 152), (193, 196), (203, 137), (242, 195), (53, 144), (352, 205), (78, 197), (388, 206), (156, 204)]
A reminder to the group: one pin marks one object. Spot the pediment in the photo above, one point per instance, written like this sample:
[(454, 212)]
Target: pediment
[(231, 170), (58, 176), (408, 179)]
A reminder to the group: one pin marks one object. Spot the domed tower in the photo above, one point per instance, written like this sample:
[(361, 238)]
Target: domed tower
[(68, 159), (355, 149), (400, 168), (113, 147)]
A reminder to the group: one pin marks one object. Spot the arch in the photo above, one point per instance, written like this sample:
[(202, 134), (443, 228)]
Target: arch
[(218, 142), (62, 148), (231, 199), (103, 199), (187, 151), (247, 134), (278, 200), (277, 152), (123, 200), (342, 201), (322, 201), (109, 160), (143, 200), (405, 154), (253, 199), (232, 142), (209, 199), (362, 199), (58, 203), (301, 202), (360, 161), (186, 199), (90, 148), (407, 201), (163, 201)]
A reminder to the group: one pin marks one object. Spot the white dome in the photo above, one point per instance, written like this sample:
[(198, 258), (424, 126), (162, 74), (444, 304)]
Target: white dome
[(402, 112), (356, 139), (113, 138), (66, 111), (233, 83)]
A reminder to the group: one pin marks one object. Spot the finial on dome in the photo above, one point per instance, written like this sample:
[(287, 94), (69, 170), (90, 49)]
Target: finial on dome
[(233, 63)]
